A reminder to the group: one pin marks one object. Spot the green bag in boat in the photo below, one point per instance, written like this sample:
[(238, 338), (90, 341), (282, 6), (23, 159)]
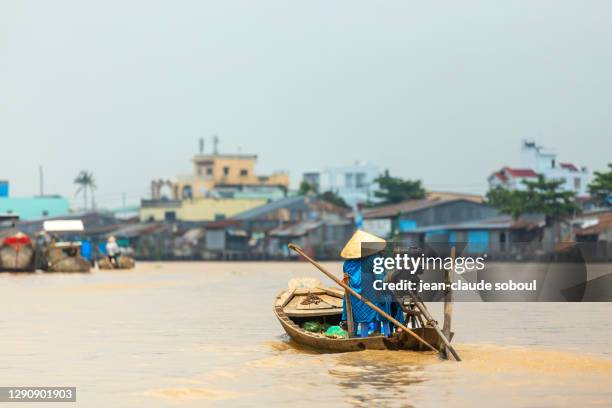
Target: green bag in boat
[(314, 327), (336, 332)]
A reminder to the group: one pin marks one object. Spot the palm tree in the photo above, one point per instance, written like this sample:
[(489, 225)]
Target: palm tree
[(85, 181)]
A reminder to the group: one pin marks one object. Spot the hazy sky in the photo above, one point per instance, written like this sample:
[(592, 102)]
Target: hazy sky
[(443, 92)]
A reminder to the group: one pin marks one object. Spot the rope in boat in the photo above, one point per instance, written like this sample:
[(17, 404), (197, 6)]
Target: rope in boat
[(310, 299)]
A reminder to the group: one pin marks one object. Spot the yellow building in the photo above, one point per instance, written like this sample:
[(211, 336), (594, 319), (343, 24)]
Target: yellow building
[(198, 209), (218, 172)]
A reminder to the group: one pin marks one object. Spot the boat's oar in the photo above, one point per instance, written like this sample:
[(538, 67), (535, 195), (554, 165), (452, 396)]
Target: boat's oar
[(358, 296)]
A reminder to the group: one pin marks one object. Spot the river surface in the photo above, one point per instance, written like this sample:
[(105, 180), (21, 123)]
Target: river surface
[(203, 334)]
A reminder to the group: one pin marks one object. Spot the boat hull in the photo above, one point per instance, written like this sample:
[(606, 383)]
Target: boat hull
[(124, 262), (17, 259), (70, 264), (399, 341)]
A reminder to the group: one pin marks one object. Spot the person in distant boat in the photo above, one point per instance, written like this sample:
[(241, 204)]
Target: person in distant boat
[(43, 240), (112, 250), (359, 254)]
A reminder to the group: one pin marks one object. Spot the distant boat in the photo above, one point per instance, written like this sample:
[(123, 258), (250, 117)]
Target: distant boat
[(17, 253), (65, 256), (123, 262)]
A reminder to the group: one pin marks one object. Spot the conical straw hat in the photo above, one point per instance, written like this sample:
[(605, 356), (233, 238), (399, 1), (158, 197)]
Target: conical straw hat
[(361, 240)]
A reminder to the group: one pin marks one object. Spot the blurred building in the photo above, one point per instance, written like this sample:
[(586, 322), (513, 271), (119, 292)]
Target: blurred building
[(222, 176), (30, 208), (264, 232), (424, 218), (355, 184), (538, 160), (195, 210), (4, 188)]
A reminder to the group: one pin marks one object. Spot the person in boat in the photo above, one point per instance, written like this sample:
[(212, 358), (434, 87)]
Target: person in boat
[(112, 250), (43, 240), (359, 254)]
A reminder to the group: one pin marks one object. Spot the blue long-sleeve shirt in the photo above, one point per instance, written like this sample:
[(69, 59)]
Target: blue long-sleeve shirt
[(361, 279)]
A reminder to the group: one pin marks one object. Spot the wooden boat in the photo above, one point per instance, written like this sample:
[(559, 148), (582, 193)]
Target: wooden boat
[(123, 262), (65, 257), (293, 307), (17, 253)]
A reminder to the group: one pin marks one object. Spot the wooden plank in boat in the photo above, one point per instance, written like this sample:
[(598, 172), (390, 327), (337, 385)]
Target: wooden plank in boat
[(293, 303), (284, 298), (309, 291), (337, 292), (311, 312), (332, 300)]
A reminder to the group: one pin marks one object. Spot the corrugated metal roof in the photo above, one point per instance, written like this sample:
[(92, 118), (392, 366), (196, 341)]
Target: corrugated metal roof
[(504, 222), (134, 230), (296, 230), (520, 172), (569, 166), (600, 222), (268, 208), (407, 206)]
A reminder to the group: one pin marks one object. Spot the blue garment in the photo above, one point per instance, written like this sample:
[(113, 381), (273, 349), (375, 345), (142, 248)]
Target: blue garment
[(361, 279), (86, 249)]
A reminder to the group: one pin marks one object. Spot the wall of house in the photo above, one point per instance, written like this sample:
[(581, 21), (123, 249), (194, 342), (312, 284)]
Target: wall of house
[(209, 171), (453, 212), (201, 209), (215, 240), (355, 184), (31, 208)]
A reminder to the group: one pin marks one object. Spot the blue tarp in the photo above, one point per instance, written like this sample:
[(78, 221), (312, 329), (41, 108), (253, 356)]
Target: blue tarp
[(86, 249)]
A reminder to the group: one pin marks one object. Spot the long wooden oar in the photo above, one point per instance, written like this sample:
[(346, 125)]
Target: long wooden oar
[(358, 296)]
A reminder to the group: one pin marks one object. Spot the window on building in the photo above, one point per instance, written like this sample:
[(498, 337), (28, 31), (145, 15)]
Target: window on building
[(199, 169), (311, 178), (244, 172), (187, 193), (226, 171), (209, 170), (360, 180), (45, 213), (219, 217), (552, 163), (170, 216), (577, 183), (349, 180)]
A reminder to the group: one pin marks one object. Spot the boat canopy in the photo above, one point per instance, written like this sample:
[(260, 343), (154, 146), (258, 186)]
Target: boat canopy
[(63, 225)]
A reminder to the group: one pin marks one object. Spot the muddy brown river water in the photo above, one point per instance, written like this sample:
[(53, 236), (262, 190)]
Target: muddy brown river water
[(203, 334)]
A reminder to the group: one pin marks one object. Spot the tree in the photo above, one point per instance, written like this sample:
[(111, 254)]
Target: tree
[(395, 190), (541, 197), (307, 188), (333, 198), (601, 187), (85, 181), (545, 197), (510, 202)]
